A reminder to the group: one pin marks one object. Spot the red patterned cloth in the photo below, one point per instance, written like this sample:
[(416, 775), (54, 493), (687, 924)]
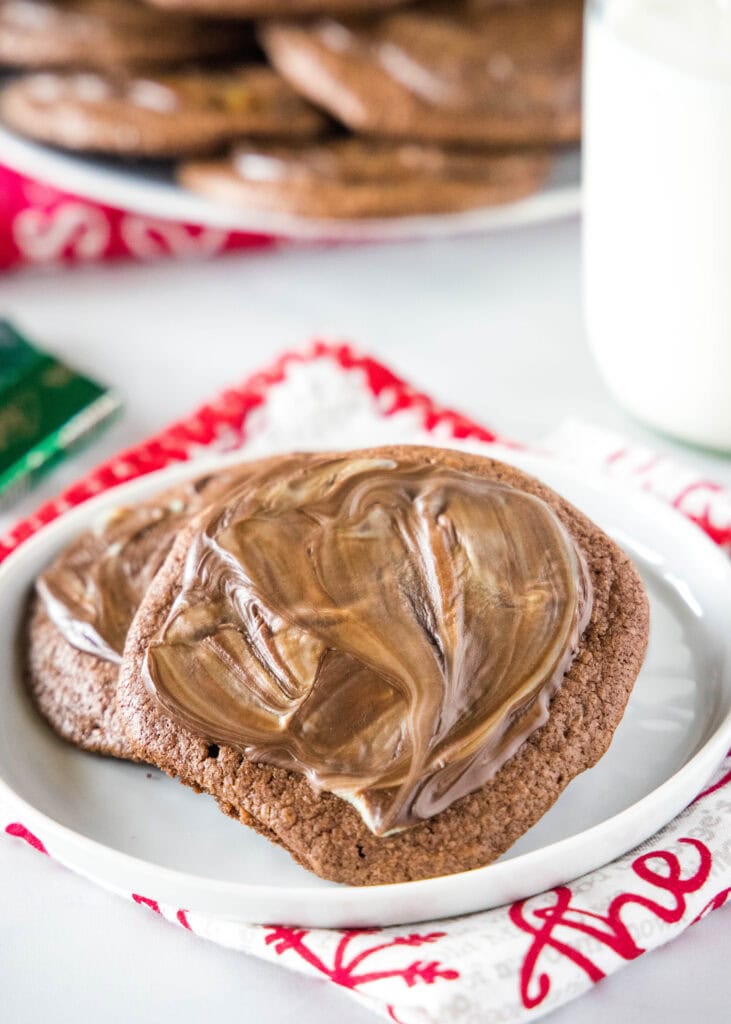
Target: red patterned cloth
[(517, 962), (40, 225)]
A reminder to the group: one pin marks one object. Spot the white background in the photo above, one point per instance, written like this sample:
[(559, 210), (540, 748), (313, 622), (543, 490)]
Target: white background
[(489, 325)]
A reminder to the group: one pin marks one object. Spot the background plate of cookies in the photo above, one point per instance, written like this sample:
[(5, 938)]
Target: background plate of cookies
[(133, 829), (312, 119)]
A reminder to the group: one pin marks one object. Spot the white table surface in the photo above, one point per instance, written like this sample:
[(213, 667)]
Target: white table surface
[(492, 326)]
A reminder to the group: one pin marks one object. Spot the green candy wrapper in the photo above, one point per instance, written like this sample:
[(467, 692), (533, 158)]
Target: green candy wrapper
[(47, 410)]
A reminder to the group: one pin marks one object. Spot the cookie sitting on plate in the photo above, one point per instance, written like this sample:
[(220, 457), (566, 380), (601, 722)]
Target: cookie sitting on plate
[(390, 661), (164, 115), (109, 34), (354, 177), (466, 72), (84, 603)]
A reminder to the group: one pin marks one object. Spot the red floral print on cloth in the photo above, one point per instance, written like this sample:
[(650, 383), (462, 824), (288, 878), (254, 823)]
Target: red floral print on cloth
[(40, 225), (353, 969)]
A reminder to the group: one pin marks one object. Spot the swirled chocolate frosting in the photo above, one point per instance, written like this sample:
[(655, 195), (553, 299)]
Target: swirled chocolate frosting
[(93, 589), (92, 592), (392, 630)]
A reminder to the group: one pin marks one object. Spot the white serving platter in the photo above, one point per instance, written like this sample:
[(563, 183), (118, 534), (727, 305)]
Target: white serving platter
[(151, 191), (131, 829)]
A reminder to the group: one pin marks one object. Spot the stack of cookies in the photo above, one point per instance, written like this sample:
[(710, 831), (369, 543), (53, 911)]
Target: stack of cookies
[(327, 108), (390, 662)]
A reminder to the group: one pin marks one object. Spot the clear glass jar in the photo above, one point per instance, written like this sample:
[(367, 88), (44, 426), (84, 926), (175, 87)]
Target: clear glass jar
[(657, 210)]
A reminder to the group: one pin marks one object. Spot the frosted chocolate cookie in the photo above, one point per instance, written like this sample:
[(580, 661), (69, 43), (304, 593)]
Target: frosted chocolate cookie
[(272, 8), (460, 72), (389, 661), (364, 178), (108, 34), (165, 115), (84, 603)]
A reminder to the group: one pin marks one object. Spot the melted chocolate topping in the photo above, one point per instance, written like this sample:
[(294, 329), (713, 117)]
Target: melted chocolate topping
[(391, 629), (93, 589), (92, 592)]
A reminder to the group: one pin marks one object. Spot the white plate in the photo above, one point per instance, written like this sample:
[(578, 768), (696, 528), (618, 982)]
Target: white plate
[(132, 829), (151, 191)]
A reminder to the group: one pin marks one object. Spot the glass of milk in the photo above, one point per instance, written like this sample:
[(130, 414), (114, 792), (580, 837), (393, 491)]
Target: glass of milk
[(657, 210)]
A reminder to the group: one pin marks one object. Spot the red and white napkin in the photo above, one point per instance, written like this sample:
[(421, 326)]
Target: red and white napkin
[(43, 226), (517, 962)]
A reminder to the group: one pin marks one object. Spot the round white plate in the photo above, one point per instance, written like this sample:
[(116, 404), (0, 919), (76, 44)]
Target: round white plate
[(129, 827), (149, 190)]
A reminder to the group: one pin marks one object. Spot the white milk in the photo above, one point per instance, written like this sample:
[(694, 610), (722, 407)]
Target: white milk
[(657, 210)]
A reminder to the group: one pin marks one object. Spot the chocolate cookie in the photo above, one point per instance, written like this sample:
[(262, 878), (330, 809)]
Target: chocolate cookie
[(176, 114), (391, 662), (74, 691), (273, 8), (84, 604), (364, 178), (109, 34), (460, 72)]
